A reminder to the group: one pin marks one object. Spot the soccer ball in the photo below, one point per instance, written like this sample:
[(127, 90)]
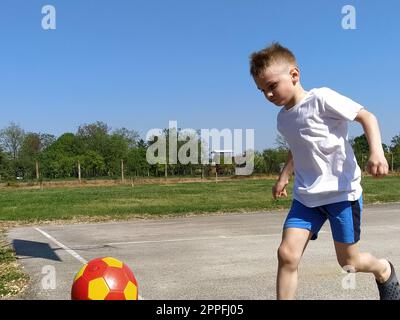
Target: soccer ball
[(104, 279)]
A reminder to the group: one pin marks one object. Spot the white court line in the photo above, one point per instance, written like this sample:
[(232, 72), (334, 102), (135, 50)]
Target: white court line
[(70, 251), (197, 239), (189, 239)]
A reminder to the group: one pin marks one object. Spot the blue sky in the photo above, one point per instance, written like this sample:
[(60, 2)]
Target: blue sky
[(139, 64)]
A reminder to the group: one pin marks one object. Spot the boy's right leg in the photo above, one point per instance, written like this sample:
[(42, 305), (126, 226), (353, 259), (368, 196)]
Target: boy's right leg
[(294, 242)]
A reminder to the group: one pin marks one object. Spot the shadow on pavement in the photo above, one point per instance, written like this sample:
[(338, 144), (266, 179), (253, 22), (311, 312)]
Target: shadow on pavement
[(25, 249)]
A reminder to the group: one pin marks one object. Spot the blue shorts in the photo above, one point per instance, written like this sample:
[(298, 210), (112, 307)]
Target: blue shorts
[(344, 218)]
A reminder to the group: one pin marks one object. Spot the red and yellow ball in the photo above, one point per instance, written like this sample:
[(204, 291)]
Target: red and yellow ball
[(104, 279)]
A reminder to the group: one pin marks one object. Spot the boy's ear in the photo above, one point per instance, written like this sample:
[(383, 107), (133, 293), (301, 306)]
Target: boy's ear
[(295, 74)]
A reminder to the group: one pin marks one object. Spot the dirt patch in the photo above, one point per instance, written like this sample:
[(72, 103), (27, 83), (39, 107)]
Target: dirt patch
[(127, 182)]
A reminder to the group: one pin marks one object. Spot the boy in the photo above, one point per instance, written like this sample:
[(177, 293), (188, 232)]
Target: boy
[(327, 176)]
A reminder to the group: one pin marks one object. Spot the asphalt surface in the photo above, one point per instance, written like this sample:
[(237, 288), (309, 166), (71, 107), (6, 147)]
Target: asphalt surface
[(230, 256)]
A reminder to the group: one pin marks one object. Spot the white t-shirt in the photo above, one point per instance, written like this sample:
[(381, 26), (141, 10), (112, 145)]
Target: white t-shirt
[(316, 129)]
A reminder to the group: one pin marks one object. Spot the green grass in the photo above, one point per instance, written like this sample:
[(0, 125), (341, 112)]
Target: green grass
[(147, 200), (12, 279)]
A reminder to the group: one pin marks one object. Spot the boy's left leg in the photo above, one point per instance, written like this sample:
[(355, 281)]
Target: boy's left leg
[(345, 220), (348, 255)]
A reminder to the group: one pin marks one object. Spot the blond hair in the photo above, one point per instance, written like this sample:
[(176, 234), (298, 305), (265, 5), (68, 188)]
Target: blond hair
[(274, 53)]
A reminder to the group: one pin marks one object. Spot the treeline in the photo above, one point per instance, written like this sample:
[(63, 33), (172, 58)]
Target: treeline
[(96, 151)]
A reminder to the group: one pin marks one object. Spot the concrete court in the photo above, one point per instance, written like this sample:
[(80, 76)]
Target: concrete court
[(229, 256)]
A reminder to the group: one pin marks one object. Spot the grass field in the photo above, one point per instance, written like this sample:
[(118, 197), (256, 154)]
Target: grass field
[(18, 204)]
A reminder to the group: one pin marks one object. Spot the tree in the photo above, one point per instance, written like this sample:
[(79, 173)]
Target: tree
[(281, 142), (92, 163), (69, 144), (31, 145), (394, 160), (28, 154), (137, 163), (259, 163), (11, 139), (361, 144), (142, 144), (131, 136), (5, 166), (46, 140), (395, 144), (361, 149), (117, 150), (94, 136), (60, 158), (273, 159)]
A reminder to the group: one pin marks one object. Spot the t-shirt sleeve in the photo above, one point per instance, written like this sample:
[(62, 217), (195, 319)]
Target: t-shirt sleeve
[(339, 106)]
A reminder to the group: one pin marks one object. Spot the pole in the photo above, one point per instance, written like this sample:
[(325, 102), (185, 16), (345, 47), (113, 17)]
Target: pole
[(122, 170), (392, 163), (79, 171), (362, 162), (37, 170)]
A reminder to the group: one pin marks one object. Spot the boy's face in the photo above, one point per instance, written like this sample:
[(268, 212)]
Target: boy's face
[(277, 83)]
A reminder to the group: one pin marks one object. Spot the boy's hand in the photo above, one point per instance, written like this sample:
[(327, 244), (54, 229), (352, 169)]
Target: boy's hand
[(278, 190), (377, 165)]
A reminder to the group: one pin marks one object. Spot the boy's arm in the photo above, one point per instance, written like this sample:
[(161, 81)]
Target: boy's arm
[(377, 163), (278, 190)]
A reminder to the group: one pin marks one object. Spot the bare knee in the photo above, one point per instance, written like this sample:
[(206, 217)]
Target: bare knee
[(348, 256), (288, 257), (348, 263), (344, 263)]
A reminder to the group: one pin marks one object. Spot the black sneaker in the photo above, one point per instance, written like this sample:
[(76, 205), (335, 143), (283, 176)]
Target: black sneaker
[(389, 290)]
